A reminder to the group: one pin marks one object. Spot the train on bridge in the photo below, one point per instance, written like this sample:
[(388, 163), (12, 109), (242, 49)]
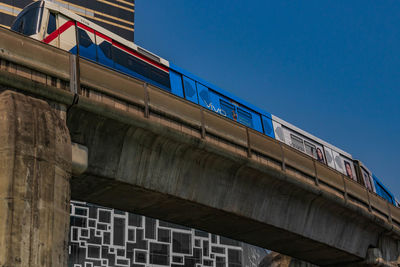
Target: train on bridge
[(59, 27)]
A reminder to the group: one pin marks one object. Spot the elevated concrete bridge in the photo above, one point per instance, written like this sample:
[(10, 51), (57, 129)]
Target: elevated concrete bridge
[(152, 153)]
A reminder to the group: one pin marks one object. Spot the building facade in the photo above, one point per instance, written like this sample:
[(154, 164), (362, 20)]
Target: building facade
[(114, 15), (102, 236)]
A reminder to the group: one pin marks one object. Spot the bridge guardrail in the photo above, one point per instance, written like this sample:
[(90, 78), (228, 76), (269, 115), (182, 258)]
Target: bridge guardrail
[(53, 61), (225, 129), (395, 212), (297, 160), (327, 176), (357, 191), (96, 76), (33, 54), (264, 146), (164, 102), (380, 205)]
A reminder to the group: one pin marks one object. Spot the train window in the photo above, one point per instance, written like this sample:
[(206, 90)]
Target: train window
[(297, 142), (120, 57), (228, 110), (189, 90), (367, 180), (84, 39), (245, 118), (52, 25), (29, 22), (204, 96), (106, 49), (268, 130), (310, 149), (140, 67), (349, 170)]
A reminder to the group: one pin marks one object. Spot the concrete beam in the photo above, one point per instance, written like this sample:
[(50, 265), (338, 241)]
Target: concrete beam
[(35, 167), (170, 175)]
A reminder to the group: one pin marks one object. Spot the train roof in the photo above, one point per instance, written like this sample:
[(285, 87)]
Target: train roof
[(58, 7)]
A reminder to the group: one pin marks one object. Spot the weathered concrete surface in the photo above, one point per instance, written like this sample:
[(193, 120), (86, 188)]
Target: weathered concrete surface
[(35, 166), (274, 259), (175, 177)]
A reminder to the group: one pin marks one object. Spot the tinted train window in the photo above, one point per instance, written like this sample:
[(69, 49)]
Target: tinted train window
[(310, 149), (120, 57), (268, 127), (297, 142), (204, 95), (84, 39), (189, 90), (245, 118), (51, 27), (128, 61), (228, 110), (106, 49), (367, 180), (28, 23)]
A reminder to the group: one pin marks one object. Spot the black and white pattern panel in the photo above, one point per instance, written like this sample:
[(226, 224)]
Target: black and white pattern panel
[(102, 236)]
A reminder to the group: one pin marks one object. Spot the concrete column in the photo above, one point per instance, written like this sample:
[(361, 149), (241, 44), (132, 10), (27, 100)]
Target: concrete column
[(35, 167)]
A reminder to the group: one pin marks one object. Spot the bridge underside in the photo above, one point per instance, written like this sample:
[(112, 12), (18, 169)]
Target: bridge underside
[(173, 176)]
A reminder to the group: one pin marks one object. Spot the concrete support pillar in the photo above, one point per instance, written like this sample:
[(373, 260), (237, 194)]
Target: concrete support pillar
[(35, 167)]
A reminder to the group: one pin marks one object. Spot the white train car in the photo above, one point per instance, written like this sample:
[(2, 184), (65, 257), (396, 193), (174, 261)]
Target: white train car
[(313, 146)]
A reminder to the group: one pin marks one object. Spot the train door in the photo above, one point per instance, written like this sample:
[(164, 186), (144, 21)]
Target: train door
[(329, 157), (51, 33), (241, 114), (279, 131), (204, 96), (367, 177), (104, 48), (189, 88), (228, 110), (364, 176), (176, 83), (67, 34), (267, 126)]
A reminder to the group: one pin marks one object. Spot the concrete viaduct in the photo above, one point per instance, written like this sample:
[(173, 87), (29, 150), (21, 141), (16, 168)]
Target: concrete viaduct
[(72, 129)]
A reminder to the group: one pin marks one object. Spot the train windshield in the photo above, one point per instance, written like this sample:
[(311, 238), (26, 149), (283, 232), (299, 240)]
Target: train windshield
[(28, 22)]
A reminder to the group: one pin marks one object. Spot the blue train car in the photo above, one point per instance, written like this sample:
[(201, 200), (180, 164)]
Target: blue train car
[(196, 90), (382, 190)]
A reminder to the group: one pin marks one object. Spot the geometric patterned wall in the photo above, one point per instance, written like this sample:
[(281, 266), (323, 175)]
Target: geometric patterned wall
[(102, 236)]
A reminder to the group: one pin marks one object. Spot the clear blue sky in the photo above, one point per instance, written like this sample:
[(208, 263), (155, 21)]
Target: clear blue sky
[(331, 68)]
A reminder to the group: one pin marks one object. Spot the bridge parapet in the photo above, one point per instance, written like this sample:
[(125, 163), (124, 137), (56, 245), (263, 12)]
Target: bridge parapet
[(283, 194)]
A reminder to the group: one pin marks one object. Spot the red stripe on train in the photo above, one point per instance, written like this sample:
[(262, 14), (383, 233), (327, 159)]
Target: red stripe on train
[(104, 37), (70, 23), (134, 53), (59, 31), (85, 27)]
